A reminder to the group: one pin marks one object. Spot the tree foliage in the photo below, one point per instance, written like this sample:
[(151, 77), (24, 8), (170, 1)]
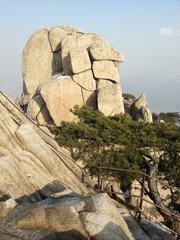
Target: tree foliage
[(118, 141)]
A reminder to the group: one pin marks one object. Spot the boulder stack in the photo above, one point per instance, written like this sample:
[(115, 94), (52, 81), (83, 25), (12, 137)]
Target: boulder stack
[(64, 67)]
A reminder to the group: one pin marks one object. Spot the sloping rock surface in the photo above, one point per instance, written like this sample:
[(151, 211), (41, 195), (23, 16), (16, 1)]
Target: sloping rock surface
[(41, 193), (32, 165), (71, 216)]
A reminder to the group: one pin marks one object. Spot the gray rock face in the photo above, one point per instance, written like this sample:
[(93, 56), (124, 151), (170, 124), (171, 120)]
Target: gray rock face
[(85, 58), (67, 217), (111, 225), (137, 232), (156, 231), (60, 218)]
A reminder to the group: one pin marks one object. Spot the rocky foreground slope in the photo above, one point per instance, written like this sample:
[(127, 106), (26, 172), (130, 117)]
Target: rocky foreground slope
[(41, 194)]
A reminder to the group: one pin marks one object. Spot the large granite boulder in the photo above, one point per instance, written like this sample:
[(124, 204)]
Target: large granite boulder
[(105, 69), (80, 61), (37, 62), (64, 52), (60, 95), (110, 101)]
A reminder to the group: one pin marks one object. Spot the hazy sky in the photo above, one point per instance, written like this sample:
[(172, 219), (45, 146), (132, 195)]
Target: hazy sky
[(147, 32)]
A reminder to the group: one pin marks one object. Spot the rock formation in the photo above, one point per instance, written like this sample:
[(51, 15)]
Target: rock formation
[(71, 216), (41, 191), (64, 67), (42, 195), (140, 110), (32, 165)]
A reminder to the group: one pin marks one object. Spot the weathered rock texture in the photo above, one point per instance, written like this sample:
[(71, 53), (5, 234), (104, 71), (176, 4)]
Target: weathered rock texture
[(6, 206), (37, 62), (64, 67), (108, 96), (140, 110), (32, 165), (41, 191), (71, 216)]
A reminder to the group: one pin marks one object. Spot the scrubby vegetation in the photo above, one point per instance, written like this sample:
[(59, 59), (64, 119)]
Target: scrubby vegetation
[(118, 141), (171, 117)]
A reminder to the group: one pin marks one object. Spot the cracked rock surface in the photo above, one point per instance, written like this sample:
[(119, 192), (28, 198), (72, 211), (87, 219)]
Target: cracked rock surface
[(77, 62)]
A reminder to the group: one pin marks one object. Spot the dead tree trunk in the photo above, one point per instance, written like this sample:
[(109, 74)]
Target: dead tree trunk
[(152, 170)]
